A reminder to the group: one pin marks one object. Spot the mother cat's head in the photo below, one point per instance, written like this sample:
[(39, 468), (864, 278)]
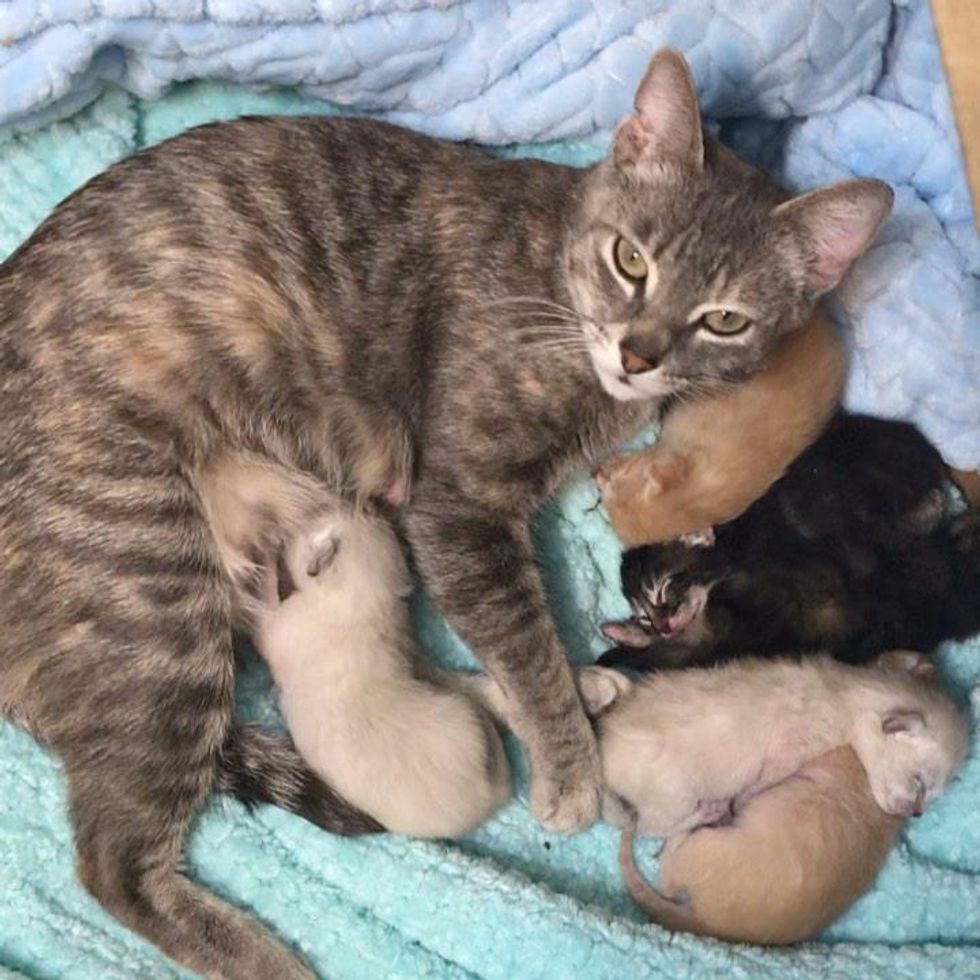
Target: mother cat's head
[(687, 264)]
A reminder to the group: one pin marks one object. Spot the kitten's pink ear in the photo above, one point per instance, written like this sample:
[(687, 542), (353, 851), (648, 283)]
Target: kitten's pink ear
[(627, 632), (667, 124), (910, 662), (837, 223)]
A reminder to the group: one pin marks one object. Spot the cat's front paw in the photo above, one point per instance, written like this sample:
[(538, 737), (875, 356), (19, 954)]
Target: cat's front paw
[(566, 799)]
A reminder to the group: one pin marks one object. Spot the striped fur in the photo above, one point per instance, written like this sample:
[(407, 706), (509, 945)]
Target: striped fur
[(364, 306)]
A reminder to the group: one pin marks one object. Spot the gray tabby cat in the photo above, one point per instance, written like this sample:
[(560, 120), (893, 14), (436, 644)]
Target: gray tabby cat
[(357, 303)]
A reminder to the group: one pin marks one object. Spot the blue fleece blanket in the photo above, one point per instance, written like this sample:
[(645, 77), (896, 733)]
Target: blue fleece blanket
[(513, 902)]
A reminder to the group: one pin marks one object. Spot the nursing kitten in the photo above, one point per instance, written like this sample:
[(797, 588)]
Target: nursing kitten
[(793, 860), (375, 309), (715, 456), (327, 609), (850, 552)]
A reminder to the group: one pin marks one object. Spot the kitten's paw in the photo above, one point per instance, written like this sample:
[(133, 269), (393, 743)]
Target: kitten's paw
[(705, 538), (568, 803), (623, 480), (600, 687)]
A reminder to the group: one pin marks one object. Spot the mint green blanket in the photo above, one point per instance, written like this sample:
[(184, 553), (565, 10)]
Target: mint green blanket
[(512, 902)]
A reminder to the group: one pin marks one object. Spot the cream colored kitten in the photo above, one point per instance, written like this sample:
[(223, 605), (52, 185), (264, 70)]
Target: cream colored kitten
[(684, 747), (365, 710)]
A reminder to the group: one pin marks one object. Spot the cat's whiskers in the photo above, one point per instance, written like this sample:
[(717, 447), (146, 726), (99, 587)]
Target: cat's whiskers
[(545, 332), (550, 320), (560, 343), (695, 389), (542, 330), (527, 304), (559, 346)]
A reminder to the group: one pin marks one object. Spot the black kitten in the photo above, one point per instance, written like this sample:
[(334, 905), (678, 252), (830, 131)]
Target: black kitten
[(851, 551)]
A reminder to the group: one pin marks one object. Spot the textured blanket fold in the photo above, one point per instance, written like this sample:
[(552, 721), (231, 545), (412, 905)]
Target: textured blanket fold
[(814, 90)]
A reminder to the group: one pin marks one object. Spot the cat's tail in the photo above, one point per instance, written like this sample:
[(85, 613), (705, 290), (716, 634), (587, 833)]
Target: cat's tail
[(262, 766), (671, 915)]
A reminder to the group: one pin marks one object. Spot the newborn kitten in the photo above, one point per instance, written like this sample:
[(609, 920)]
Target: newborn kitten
[(684, 748), (329, 616), (779, 784), (850, 552), (716, 455), (789, 863), (420, 758)]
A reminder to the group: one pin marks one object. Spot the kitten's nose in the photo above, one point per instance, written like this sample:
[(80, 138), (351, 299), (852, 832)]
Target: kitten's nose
[(660, 616), (633, 363)]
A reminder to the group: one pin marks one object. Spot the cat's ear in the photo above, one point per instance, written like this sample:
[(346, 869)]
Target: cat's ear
[(323, 550), (837, 224), (667, 123)]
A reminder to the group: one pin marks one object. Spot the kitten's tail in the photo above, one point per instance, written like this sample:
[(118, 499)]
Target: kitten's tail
[(261, 766), (671, 915)]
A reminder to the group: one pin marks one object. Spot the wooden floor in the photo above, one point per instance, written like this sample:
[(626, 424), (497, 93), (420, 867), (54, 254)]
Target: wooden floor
[(958, 26)]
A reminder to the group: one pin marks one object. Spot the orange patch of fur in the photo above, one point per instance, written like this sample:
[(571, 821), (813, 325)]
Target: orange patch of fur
[(969, 482), (717, 456), (803, 852)]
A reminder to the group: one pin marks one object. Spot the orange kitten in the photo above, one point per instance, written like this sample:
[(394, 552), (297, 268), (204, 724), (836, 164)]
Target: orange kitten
[(797, 857), (717, 456)]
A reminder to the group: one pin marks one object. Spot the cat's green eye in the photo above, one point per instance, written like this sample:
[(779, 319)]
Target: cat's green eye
[(726, 322), (630, 264)]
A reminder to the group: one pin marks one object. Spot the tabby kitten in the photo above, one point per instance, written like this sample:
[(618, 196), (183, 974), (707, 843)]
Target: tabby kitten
[(851, 552), (373, 309)]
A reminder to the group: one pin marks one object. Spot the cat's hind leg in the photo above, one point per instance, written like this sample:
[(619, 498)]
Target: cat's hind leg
[(136, 696), (132, 684)]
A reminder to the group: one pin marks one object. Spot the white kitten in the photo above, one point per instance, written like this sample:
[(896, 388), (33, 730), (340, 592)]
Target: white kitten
[(360, 704), (683, 747), (330, 617)]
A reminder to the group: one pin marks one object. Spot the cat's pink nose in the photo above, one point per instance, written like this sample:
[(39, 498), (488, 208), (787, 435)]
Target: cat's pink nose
[(633, 363)]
